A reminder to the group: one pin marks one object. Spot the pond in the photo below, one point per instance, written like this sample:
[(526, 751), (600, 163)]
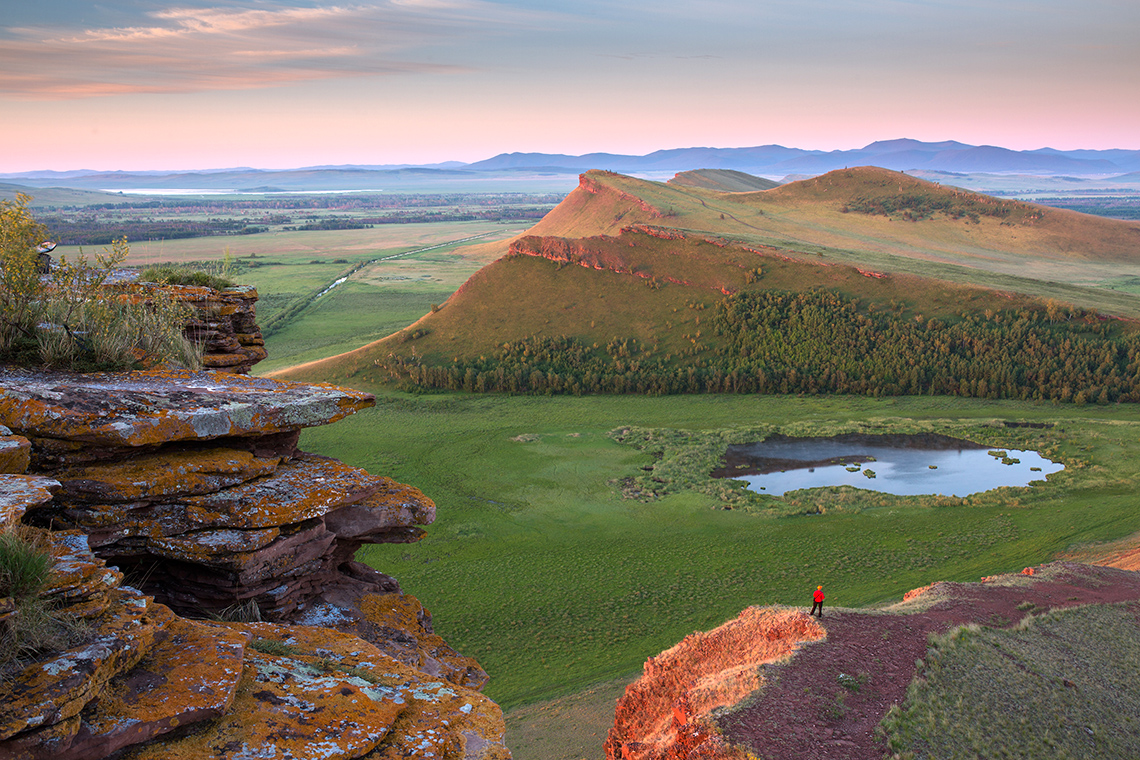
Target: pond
[(904, 465)]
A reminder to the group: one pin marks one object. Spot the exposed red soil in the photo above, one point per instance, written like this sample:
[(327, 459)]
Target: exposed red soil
[(805, 713)]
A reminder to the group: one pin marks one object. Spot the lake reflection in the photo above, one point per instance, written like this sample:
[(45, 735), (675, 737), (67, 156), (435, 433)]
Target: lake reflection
[(902, 465)]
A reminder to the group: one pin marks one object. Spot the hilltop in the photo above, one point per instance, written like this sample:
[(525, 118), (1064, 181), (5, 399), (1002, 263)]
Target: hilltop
[(1031, 665), (723, 180), (665, 285)]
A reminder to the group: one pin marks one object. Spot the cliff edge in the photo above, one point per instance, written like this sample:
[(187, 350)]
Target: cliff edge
[(204, 566)]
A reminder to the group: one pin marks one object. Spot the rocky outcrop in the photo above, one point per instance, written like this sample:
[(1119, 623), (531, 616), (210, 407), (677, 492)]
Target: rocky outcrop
[(190, 487), (224, 322), (667, 712), (777, 683)]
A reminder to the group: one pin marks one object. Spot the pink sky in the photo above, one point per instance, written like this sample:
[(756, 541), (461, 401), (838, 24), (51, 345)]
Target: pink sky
[(287, 84)]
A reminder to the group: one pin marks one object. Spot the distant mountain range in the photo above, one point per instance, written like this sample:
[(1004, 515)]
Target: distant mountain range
[(551, 170)]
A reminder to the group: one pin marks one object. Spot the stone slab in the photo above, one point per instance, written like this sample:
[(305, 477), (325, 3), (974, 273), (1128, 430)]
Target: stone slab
[(394, 505), (159, 406), (162, 474), (190, 675), (21, 493), (288, 705), (58, 687)]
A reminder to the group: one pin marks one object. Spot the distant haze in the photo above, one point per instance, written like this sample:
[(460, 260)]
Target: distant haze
[(288, 83)]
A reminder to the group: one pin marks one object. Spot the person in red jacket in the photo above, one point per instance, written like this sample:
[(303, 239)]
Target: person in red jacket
[(818, 601)]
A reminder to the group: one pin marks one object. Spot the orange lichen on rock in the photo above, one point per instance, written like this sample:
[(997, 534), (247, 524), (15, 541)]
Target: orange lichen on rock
[(57, 688), (190, 675), (15, 452), (166, 473), (20, 493), (160, 406), (425, 650), (665, 710), (316, 692)]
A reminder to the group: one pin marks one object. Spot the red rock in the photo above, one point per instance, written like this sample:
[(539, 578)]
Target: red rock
[(394, 506), (663, 714), (15, 452)]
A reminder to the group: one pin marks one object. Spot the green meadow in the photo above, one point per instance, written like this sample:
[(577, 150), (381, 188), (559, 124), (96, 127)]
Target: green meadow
[(539, 568)]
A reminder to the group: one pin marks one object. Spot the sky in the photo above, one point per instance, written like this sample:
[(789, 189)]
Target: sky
[(148, 84)]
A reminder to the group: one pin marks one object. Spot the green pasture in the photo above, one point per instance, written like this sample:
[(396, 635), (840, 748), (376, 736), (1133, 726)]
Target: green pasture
[(539, 568)]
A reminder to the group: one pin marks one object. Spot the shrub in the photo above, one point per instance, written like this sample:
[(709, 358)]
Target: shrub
[(70, 319)]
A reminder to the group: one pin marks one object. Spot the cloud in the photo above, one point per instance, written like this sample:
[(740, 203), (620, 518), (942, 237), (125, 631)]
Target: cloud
[(187, 49)]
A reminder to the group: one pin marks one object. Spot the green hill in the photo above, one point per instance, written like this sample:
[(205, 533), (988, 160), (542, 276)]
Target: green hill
[(859, 281)]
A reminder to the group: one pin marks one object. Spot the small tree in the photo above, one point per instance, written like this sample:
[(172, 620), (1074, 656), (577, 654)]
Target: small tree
[(21, 288)]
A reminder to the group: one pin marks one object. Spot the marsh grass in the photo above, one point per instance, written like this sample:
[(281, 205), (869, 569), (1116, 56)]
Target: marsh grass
[(684, 459), (1063, 684)]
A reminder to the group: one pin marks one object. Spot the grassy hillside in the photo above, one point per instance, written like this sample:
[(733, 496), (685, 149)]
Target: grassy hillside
[(643, 263), (1062, 684)]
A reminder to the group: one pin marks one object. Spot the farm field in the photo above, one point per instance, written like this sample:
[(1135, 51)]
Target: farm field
[(540, 569), (290, 268)]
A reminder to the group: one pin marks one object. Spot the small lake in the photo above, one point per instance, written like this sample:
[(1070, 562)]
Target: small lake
[(904, 465)]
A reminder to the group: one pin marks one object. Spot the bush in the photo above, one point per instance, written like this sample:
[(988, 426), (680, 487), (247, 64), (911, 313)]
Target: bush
[(69, 319)]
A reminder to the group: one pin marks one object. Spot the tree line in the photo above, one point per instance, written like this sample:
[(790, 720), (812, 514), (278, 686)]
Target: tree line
[(822, 342)]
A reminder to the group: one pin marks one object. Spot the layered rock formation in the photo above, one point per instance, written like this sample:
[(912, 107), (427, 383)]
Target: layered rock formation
[(190, 486), (224, 324)]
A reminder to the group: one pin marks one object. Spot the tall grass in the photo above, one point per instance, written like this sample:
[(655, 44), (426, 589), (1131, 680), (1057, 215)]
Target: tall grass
[(25, 571)]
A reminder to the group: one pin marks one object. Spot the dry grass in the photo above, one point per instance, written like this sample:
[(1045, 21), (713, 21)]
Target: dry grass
[(1060, 685), (25, 569), (568, 728)]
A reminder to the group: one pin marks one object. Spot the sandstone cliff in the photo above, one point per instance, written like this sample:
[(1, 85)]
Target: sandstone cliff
[(209, 566)]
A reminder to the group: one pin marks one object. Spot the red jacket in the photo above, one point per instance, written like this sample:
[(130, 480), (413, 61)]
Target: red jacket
[(818, 596)]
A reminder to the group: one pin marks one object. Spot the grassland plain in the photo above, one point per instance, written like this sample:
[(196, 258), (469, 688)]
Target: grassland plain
[(539, 568)]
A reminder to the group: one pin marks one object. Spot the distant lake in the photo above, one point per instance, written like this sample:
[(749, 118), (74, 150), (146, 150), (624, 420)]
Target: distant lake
[(904, 465)]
